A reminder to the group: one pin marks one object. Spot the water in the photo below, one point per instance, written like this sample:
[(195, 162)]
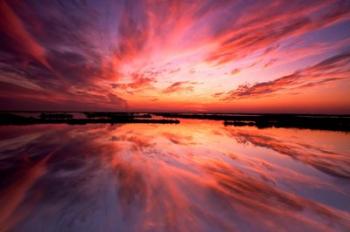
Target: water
[(195, 176)]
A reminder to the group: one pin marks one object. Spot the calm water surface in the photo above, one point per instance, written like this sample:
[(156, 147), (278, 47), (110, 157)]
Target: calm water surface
[(195, 176)]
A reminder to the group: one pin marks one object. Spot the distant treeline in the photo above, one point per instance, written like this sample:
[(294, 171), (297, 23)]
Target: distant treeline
[(93, 117), (320, 122)]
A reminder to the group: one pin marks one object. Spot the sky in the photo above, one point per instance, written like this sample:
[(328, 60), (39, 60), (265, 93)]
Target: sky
[(182, 56)]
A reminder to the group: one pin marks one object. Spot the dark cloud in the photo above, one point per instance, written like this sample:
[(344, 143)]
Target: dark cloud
[(49, 50), (23, 42)]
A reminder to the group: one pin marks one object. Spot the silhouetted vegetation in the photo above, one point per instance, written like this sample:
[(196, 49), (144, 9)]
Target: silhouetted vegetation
[(337, 123), (142, 115), (110, 115), (55, 116), (52, 118), (320, 122), (119, 115), (8, 118), (240, 123)]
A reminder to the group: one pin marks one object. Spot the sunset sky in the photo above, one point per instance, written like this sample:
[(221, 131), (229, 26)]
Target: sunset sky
[(163, 55)]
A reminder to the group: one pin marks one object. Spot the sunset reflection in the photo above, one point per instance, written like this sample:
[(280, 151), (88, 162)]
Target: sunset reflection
[(195, 176)]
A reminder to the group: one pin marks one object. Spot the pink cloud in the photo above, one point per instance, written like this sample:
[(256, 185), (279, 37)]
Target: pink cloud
[(330, 70)]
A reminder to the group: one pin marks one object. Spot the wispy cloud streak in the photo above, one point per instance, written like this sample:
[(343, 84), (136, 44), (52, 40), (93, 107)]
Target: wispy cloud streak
[(333, 69), (131, 50)]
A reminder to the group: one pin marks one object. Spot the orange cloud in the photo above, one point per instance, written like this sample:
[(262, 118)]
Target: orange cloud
[(180, 86)]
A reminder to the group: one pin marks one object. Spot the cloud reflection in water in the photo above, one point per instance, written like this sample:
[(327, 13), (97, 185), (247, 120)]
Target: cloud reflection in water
[(196, 176)]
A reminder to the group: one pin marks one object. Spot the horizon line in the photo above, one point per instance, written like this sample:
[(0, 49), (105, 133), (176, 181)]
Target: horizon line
[(174, 112)]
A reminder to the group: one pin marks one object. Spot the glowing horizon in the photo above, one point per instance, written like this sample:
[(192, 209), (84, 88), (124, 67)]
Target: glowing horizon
[(199, 56)]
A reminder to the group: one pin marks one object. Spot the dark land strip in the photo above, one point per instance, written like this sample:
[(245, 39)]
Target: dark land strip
[(319, 122), (91, 117)]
